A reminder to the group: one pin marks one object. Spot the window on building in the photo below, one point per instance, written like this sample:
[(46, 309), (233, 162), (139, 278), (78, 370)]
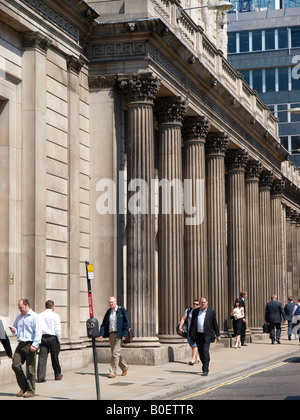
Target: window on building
[(257, 80), (295, 83), (285, 142), (244, 41), (246, 75), (282, 38), (283, 79), (295, 117), (270, 80), (295, 144), (270, 39), (282, 113), (231, 42), (295, 33), (256, 41)]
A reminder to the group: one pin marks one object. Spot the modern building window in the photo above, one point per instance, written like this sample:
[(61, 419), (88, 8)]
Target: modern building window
[(285, 142), (257, 80), (270, 80), (246, 75), (256, 41), (295, 34), (244, 41), (295, 144), (231, 42), (295, 117), (283, 79), (270, 39), (282, 38), (282, 113), (295, 83)]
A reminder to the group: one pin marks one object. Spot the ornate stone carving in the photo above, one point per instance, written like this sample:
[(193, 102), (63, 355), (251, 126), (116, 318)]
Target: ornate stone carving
[(139, 87), (195, 129), (170, 109), (35, 40), (266, 179), (216, 144), (253, 170), (278, 187), (236, 159), (74, 64)]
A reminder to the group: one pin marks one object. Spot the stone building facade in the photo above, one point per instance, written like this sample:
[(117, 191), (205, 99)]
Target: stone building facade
[(101, 102)]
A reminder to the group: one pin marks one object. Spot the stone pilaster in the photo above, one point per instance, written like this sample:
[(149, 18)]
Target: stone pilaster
[(34, 110), (169, 114), (266, 180), (215, 147), (276, 239), (236, 161), (295, 255), (140, 91), (74, 67), (289, 253), (253, 170), (194, 131)]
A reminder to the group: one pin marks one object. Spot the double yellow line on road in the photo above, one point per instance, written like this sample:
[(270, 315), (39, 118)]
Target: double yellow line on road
[(229, 382)]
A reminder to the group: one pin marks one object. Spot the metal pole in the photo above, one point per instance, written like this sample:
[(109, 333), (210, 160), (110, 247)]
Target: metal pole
[(93, 338)]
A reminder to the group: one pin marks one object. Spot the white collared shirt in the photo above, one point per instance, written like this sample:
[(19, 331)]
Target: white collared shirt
[(50, 323), (113, 320), (200, 320)]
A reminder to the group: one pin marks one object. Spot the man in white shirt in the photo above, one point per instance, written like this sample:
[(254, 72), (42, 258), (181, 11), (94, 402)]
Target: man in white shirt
[(27, 329), (51, 334)]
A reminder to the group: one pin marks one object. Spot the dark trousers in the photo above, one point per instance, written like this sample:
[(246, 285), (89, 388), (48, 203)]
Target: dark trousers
[(243, 332), (203, 349), (48, 344), (272, 330), (22, 355)]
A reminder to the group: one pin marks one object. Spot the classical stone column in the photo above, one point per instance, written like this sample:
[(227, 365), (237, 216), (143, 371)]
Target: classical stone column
[(34, 124), (297, 264), (253, 170), (276, 239), (194, 131), (266, 180), (295, 254), (216, 145), (140, 91), (236, 161), (169, 114)]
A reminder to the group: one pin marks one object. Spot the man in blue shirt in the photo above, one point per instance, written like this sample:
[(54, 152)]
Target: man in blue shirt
[(26, 328)]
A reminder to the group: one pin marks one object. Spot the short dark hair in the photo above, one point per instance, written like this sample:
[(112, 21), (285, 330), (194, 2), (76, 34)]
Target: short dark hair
[(49, 304)]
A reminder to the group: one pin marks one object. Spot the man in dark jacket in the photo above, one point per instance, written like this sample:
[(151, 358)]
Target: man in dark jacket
[(5, 341), (115, 326), (288, 311), (203, 330), (273, 313)]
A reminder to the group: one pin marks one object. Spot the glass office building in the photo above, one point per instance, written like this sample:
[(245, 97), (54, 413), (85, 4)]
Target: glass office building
[(264, 45)]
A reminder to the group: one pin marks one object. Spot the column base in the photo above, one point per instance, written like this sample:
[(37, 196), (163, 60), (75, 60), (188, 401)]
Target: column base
[(143, 342), (171, 339)]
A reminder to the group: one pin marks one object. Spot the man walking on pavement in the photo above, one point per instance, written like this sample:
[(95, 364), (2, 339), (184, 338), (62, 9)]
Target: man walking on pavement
[(288, 311), (203, 329), (51, 334), (27, 329), (273, 313), (243, 304)]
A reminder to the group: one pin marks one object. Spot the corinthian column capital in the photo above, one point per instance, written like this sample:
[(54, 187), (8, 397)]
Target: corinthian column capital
[(253, 170), (236, 159), (266, 179), (277, 187), (170, 109), (141, 87), (195, 129), (216, 144)]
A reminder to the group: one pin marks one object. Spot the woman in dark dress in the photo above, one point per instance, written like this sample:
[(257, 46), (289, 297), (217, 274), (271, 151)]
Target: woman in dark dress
[(238, 315)]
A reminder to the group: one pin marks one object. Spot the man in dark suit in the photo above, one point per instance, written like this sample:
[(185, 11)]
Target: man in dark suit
[(203, 330), (288, 311), (273, 314)]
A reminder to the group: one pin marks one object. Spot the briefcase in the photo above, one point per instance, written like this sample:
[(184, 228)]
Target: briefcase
[(266, 328)]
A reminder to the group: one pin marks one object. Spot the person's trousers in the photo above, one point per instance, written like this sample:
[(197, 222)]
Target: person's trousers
[(22, 355), (203, 349), (116, 358), (274, 325), (48, 344), (243, 332)]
